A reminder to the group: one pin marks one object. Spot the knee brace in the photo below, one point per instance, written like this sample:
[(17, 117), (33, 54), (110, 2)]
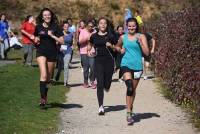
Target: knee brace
[(129, 85)]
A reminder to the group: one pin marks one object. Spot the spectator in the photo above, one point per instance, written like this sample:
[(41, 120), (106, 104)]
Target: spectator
[(4, 36), (28, 29)]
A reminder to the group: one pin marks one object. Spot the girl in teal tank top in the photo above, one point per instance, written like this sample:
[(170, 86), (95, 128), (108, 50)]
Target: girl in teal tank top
[(132, 58), (132, 45)]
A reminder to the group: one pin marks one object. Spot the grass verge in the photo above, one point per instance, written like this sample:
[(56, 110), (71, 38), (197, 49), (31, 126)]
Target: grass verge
[(187, 106), (19, 101)]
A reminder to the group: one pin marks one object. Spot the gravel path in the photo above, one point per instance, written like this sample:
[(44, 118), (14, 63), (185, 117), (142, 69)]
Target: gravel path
[(5, 62), (154, 114)]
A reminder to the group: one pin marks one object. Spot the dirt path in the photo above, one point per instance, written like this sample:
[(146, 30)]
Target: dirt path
[(5, 62), (154, 114)]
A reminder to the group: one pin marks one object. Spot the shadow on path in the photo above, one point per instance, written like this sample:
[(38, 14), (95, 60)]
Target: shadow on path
[(75, 62), (75, 85), (73, 67), (64, 106), (114, 108), (115, 80), (13, 59), (35, 65), (140, 116), (54, 83)]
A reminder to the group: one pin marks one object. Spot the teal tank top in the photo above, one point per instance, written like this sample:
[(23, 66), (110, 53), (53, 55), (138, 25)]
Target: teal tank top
[(132, 57)]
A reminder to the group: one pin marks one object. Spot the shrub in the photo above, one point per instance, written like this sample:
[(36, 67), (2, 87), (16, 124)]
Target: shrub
[(177, 58)]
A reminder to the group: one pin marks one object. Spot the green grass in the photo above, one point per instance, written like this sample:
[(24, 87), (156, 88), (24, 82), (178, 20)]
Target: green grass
[(19, 99)]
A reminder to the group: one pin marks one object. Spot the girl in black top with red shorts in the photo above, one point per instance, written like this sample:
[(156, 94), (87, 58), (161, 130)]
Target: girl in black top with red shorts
[(47, 36)]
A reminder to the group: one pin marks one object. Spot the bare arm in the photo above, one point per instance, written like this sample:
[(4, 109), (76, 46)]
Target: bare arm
[(89, 46), (60, 39), (118, 46), (27, 34), (153, 45), (143, 43)]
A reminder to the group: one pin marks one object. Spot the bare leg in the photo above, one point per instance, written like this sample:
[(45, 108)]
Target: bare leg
[(50, 70), (135, 83), (127, 76), (42, 62)]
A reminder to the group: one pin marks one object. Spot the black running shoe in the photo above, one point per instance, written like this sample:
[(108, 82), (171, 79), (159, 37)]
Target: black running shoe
[(107, 90), (129, 119)]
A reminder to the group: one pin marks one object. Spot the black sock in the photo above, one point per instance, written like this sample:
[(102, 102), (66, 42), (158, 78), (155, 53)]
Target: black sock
[(42, 89), (46, 91)]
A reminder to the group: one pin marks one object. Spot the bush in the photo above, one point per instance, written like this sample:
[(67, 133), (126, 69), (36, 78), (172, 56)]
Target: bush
[(177, 58)]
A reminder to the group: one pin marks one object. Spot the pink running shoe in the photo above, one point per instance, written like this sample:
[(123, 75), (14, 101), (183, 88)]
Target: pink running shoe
[(94, 86), (42, 102)]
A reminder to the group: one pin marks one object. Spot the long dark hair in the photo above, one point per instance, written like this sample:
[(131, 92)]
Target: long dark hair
[(133, 20), (54, 19)]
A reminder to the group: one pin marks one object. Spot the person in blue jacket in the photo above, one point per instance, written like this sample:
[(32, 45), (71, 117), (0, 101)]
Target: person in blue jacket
[(4, 38)]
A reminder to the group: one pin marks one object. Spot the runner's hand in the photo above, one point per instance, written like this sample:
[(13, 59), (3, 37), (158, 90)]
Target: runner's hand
[(61, 50), (50, 33), (37, 40), (152, 51), (32, 37), (89, 53), (108, 44), (122, 51)]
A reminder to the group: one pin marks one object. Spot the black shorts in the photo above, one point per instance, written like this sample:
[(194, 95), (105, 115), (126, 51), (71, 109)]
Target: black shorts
[(50, 57), (136, 74)]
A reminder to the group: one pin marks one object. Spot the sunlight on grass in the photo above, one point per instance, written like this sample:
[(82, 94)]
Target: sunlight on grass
[(19, 100)]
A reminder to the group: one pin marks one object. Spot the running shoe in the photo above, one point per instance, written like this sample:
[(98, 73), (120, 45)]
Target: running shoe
[(101, 110), (94, 86), (129, 119), (42, 102), (66, 85), (107, 90), (145, 77)]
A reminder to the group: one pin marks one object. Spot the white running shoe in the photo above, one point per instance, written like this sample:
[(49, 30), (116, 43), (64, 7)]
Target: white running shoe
[(101, 110), (145, 77)]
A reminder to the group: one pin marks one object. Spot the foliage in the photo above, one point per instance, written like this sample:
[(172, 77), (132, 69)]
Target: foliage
[(177, 58)]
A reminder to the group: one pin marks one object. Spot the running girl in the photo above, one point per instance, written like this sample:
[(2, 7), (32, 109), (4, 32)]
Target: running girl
[(104, 61), (132, 45), (47, 36)]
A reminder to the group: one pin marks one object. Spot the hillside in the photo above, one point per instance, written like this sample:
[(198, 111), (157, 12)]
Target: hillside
[(16, 10)]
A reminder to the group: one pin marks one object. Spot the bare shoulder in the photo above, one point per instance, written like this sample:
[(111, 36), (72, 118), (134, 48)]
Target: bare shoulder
[(142, 35), (121, 37)]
